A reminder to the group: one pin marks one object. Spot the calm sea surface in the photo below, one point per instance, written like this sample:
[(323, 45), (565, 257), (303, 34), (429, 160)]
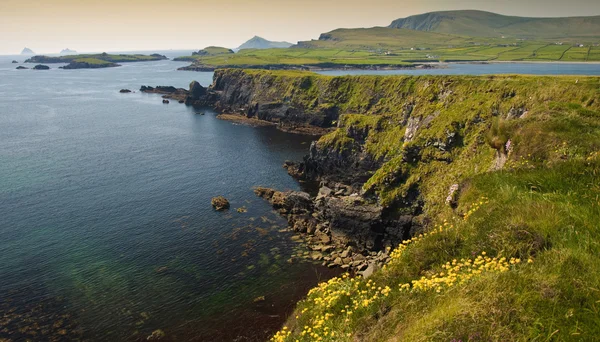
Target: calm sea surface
[(486, 69), (106, 228)]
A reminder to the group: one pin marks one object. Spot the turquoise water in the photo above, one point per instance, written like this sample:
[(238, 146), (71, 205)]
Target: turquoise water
[(106, 225)]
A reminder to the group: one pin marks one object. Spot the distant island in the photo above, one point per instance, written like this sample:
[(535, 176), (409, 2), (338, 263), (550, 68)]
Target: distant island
[(68, 51), (257, 42), (27, 51), (94, 61)]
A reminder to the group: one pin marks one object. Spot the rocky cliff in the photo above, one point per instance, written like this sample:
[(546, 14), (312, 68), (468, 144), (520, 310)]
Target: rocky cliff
[(491, 182), (406, 145)]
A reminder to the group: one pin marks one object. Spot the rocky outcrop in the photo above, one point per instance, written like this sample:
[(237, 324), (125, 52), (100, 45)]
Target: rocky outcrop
[(124, 91), (343, 229), (20, 67), (41, 67), (246, 95), (220, 203), (196, 96), (15, 62)]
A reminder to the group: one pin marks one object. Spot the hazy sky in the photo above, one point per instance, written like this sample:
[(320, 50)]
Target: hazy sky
[(47, 26)]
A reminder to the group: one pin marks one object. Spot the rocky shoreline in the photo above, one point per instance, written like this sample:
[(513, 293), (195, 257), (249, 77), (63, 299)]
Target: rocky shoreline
[(340, 227)]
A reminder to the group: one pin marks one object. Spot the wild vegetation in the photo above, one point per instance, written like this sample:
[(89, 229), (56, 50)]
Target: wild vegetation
[(506, 171)]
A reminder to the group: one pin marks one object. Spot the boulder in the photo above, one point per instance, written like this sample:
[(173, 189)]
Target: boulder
[(165, 101), (124, 91), (372, 268), (219, 203)]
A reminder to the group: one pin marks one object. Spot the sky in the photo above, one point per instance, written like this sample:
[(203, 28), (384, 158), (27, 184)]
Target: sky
[(48, 26)]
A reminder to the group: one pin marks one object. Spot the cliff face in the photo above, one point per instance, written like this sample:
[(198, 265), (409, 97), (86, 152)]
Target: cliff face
[(405, 142)]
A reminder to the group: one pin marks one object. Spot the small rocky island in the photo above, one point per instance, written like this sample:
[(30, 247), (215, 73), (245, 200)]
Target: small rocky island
[(41, 67), (14, 62), (20, 67)]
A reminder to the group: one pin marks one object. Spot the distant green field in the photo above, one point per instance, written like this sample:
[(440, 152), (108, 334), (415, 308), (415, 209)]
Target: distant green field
[(551, 52), (577, 54), (524, 52), (381, 46)]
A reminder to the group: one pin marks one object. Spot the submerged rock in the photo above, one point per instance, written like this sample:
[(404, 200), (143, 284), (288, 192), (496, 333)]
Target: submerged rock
[(156, 335), (220, 203), (124, 91), (20, 67)]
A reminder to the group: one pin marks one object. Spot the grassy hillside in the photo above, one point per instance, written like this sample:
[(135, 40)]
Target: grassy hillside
[(486, 24), (513, 253), (385, 47)]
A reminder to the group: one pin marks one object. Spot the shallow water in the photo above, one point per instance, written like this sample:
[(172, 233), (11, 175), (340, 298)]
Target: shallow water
[(107, 232)]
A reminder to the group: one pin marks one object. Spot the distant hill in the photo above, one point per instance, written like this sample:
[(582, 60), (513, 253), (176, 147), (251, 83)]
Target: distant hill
[(212, 50), (68, 51), (384, 38), (485, 24), (257, 42), (27, 51)]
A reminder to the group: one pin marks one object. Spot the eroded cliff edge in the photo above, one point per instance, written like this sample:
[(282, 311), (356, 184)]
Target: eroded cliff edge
[(402, 148)]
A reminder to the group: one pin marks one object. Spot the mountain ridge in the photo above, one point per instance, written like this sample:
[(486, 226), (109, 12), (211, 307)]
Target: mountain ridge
[(488, 24)]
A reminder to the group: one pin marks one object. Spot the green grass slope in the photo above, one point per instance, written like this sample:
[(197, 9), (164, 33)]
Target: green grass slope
[(513, 254), (486, 24)]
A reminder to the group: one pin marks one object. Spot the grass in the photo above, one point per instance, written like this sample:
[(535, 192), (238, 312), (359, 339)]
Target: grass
[(386, 47), (514, 256)]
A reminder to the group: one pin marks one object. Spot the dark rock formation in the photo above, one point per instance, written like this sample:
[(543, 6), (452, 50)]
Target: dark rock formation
[(196, 96), (124, 91), (240, 93), (196, 90), (41, 67), (347, 227), (20, 67), (15, 62), (220, 203), (165, 101)]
